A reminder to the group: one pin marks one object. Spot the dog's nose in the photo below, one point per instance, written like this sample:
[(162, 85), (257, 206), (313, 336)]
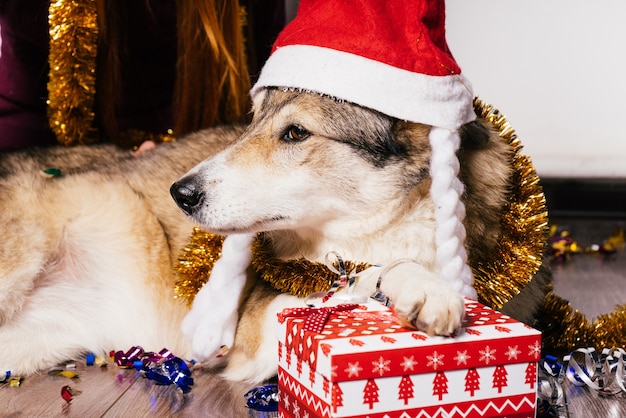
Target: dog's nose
[(187, 195)]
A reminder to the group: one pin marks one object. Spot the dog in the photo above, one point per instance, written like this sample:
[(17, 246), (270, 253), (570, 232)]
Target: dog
[(317, 175), (87, 258)]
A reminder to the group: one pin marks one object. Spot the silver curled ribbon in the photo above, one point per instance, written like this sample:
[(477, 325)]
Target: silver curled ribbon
[(345, 279), (550, 395), (378, 294), (605, 374)]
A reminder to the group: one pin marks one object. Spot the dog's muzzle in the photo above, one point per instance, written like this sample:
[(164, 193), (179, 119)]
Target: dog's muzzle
[(187, 194)]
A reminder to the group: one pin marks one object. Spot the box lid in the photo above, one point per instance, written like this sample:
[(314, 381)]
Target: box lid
[(367, 342)]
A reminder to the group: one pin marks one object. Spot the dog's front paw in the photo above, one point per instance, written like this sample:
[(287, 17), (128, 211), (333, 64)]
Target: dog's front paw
[(211, 335), (431, 306), (212, 322)]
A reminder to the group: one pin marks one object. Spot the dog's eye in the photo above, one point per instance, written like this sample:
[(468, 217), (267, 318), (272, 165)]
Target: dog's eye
[(296, 133)]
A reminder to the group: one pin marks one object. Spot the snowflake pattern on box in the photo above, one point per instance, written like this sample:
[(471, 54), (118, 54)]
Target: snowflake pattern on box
[(369, 364)]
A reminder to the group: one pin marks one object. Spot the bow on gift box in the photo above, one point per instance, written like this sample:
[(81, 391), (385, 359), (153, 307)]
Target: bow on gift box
[(316, 318), (345, 279)]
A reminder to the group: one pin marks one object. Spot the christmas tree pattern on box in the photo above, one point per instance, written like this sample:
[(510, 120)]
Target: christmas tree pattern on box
[(361, 363)]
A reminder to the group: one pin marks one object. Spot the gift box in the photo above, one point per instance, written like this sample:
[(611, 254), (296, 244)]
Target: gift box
[(358, 362)]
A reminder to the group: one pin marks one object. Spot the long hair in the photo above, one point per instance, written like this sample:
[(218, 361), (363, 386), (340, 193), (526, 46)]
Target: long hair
[(211, 75)]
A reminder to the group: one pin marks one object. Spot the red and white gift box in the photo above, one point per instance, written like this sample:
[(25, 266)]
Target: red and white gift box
[(363, 364)]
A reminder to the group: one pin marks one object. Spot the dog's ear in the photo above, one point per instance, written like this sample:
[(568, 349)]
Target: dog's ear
[(474, 135)]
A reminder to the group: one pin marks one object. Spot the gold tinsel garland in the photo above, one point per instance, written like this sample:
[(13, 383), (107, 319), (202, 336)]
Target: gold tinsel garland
[(566, 329), (524, 223), (196, 262), (72, 57), (298, 277), (73, 26)]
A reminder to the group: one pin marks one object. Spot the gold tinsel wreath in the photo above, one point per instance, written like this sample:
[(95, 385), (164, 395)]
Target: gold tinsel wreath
[(518, 257), (566, 329)]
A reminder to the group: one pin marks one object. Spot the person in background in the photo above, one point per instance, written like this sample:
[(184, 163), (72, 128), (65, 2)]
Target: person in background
[(89, 71)]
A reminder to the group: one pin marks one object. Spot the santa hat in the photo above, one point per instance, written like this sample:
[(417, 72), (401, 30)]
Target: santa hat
[(390, 56)]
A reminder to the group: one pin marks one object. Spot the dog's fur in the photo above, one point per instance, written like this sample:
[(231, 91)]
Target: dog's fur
[(86, 261)]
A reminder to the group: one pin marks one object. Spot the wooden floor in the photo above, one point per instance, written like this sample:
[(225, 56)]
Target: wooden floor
[(591, 285), (114, 392)]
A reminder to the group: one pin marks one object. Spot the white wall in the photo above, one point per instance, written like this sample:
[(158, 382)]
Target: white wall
[(557, 70)]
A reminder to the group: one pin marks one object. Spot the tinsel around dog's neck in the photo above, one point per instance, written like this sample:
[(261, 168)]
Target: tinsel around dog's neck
[(519, 254)]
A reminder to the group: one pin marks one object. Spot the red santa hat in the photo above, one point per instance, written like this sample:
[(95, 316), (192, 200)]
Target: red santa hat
[(390, 56)]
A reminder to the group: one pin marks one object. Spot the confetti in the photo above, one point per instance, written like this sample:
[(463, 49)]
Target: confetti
[(51, 172), (68, 393), (263, 399), (63, 373), (162, 367), (90, 359)]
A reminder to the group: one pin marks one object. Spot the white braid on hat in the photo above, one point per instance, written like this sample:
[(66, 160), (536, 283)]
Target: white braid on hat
[(446, 190)]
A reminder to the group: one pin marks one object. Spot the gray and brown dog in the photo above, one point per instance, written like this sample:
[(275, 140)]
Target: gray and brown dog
[(87, 259)]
